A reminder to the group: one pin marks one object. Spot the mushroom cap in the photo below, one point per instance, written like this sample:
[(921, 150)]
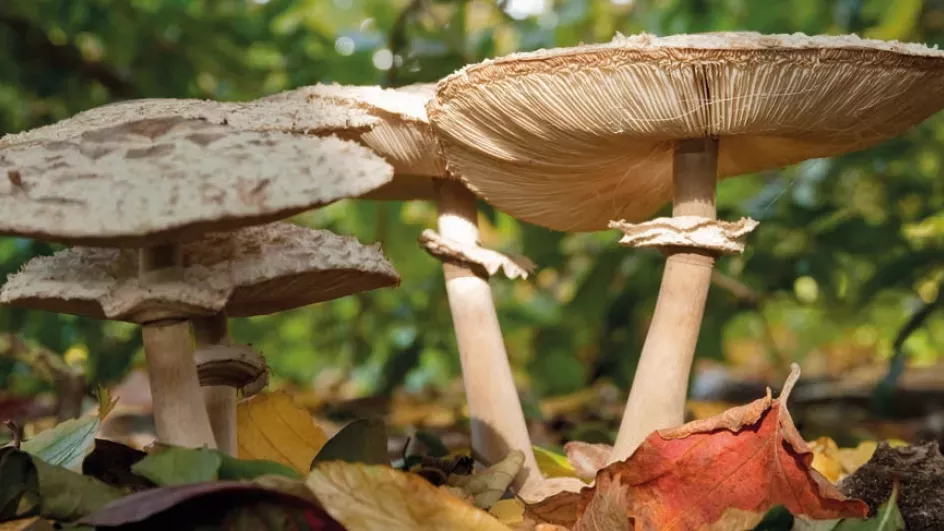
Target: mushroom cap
[(319, 117), (237, 366), (572, 138), (251, 271), (403, 136), (159, 180)]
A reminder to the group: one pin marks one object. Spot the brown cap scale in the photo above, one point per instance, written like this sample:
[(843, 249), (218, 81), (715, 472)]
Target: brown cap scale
[(251, 271), (404, 138), (155, 182), (573, 138)]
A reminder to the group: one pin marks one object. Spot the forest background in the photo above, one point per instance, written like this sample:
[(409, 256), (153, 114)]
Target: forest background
[(844, 270)]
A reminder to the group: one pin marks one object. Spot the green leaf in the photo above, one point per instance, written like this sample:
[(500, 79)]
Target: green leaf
[(32, 487), (179, 466), (66, 444), (232, 468), (362, 441), (553, 465)]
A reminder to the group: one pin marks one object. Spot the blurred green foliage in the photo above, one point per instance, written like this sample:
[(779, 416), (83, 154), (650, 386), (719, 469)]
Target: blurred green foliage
[(846, 251)]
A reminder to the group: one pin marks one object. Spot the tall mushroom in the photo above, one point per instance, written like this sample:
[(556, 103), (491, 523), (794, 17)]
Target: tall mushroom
[(573, 138), (242, 273), (403, 137), (150, 184)]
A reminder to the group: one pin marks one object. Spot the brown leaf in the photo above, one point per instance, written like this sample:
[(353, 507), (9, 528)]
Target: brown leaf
[(746, 460), (607, 509), (204, 503)]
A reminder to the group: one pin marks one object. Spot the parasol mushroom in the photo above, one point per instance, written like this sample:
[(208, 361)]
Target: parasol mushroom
[(153, 183), (403, 137), (242, 273), (573, 138)]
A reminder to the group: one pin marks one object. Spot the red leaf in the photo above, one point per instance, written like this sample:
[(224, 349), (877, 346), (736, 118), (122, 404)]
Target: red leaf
[(746, 460)]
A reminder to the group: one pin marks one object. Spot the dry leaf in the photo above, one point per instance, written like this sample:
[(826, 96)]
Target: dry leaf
[(749, 459), (587, 459), (508, 512), (272, 427), (378, 497), (607, 510), (490, 484)]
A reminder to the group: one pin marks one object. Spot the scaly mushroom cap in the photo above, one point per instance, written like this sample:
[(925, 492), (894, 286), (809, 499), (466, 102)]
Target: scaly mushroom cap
[(251, 271), (319, 117), (158, 180), (403, 136), (572, 138)]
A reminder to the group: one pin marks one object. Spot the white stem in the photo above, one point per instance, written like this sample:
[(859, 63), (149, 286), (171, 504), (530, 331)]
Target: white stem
[(497, 420), (220, 400), (172, 372)]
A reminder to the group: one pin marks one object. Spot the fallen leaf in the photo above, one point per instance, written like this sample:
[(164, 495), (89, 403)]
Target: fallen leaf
[(488, 485), (362, 441), (380, 497), (27, 524), (69, 442), (919, 472), (508, 512), (179, 466), (271, 427), (32, 487), (111, 463), (750, 458), (542, 490), (553, 465), (587, 459), (234, 504), (826, 458), (607, 510), (887, 518), (232, 468)]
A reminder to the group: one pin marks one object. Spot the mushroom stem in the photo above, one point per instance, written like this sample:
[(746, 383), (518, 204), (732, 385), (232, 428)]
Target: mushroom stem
[(220, 400), (172, 372), (497, 420), (657, 397)]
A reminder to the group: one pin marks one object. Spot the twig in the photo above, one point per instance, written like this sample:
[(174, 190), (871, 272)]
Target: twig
[(17, 432), (896, 366)]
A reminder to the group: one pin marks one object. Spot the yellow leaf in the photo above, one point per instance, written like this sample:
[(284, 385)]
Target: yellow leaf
[(508, 512), (825, 458), (490, 484), (553, 465), (379, 497), (272, 427), (853, 458)]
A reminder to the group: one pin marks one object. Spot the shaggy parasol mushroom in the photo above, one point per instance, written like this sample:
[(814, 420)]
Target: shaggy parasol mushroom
[(151, 184), (242, 273), (403, 137), (574, 138)]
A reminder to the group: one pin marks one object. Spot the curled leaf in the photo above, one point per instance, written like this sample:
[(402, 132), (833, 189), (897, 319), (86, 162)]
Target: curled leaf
[(488, 485), (380, 497)]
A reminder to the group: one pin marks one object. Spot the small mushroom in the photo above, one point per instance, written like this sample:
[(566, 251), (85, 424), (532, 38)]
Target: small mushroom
[(225, 371), (573, 138), (246, 272), (405, 140), (153, 183)]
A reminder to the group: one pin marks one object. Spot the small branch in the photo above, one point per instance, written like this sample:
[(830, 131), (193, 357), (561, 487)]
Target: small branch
[(744, 294), (896, 366)]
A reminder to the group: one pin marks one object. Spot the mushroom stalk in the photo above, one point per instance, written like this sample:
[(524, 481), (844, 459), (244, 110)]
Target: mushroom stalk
[(657, 397), (497, 420), (220, 400), (172, 371)]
